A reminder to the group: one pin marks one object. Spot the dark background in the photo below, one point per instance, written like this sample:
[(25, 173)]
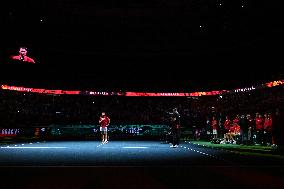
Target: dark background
[(142, 45), (139, 45)]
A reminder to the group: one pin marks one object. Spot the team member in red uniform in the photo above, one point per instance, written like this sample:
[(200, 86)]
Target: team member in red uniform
[(214, 127), (104, 122), (259, 128), (231, 134), (227, 124), (235, 130), (267, 129), (23, 56), (236, 121)]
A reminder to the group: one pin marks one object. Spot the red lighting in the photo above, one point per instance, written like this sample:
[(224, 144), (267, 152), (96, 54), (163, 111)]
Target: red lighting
[(193, 94)]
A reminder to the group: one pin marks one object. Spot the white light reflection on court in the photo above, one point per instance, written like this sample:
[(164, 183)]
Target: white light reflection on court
[(35, 147), (138, 147)]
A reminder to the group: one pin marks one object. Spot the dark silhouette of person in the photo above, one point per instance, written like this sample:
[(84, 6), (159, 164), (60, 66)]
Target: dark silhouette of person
[(175, 127)]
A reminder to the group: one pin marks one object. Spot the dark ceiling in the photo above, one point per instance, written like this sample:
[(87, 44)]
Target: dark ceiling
[(182, 44)]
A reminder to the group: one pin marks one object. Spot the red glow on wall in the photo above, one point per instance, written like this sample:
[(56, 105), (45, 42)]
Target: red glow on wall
[(38, 90), (71, 92), (33, 90), (193, 94), (175, 94), (14, 88), (275, 83)]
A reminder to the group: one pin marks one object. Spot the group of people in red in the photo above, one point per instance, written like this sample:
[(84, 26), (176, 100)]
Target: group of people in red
[(247, 130)]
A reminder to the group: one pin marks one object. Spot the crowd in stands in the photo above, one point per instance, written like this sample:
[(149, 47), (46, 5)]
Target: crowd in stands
[(206, 114)]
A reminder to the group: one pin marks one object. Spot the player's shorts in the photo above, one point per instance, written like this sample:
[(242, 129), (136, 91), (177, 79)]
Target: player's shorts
[(103, 129), (214, 131)]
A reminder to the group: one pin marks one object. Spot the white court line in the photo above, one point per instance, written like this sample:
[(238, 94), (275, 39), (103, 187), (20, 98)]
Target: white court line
[(135, 147), (33, 147)]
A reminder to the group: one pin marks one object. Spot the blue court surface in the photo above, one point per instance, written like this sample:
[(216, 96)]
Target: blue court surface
[(131, 164), (119, 153), (114, 153)]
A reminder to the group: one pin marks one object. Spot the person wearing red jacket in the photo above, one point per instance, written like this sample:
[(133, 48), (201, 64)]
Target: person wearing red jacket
[(104, 121), (22, 57), (227, 124), (267, 128), (214, 125), (236, 121), (234, 131), (259, 128)]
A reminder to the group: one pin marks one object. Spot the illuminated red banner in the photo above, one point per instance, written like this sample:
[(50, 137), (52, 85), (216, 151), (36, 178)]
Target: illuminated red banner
[(13, 88), (71, 92), (33, 90), (154, 94), (207, 93), (175, 94), (275, 83), (99, 93), (193, 94)]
